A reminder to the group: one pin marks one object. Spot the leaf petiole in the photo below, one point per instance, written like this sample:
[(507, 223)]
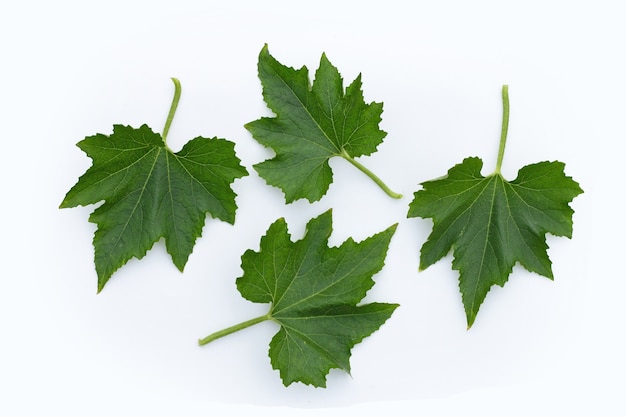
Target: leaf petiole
[(505, 126), (232, 329), (370, 174), (172, 112)]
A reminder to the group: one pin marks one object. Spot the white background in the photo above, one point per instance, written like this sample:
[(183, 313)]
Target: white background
[(73, 69)]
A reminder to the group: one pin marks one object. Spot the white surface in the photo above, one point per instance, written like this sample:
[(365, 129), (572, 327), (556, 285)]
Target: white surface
[(72, 69)]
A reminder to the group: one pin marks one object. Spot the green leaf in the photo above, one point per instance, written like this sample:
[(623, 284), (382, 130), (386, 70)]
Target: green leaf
[(149, 192), (491, 224), (313, 123), (314, 291)]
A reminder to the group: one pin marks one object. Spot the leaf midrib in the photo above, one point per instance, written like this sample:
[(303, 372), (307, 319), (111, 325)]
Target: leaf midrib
[(137, 202), (335, 151), (496, 179), (337, 281)]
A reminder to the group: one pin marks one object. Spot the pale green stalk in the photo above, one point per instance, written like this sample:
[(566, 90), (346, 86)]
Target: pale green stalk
[(170, 115), (505, 126), (233, 329), (370, 174)]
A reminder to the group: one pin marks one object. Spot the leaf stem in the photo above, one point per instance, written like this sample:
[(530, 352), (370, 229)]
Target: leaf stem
[(232, 329), (370, 174), (505, 126), (170, 115)]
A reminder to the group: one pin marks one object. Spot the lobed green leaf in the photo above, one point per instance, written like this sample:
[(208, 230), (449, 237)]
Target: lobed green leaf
[(491, 224), (150, 193)]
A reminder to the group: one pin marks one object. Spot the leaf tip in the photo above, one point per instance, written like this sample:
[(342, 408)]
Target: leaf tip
[(102, 281), (324, 61), (470, 320)]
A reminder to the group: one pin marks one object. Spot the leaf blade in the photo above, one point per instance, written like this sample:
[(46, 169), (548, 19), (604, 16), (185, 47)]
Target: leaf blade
[(313, 123), (491, 224), (151, 193), (314, 293)]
